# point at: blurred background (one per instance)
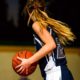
(15, 35)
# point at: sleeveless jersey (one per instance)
(57, 54)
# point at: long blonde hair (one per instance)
(60, 28)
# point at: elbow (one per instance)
(52, 45)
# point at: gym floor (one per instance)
(7, 73)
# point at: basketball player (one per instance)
(50, 35)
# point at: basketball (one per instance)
(15, 62)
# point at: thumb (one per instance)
(19, 58)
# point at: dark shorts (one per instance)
(66, 74)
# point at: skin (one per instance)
(46, 49)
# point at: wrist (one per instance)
(30, 61)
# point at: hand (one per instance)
(23, 66)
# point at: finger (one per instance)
(20, 69)
(26, 71)
(18, 66)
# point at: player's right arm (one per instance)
(49, 43)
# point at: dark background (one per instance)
(19, 34)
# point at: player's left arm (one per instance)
(49, 43)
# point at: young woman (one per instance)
(49, 37)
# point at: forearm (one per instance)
(47, 48)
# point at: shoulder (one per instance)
(36, 26)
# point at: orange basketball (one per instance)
(23, 54)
